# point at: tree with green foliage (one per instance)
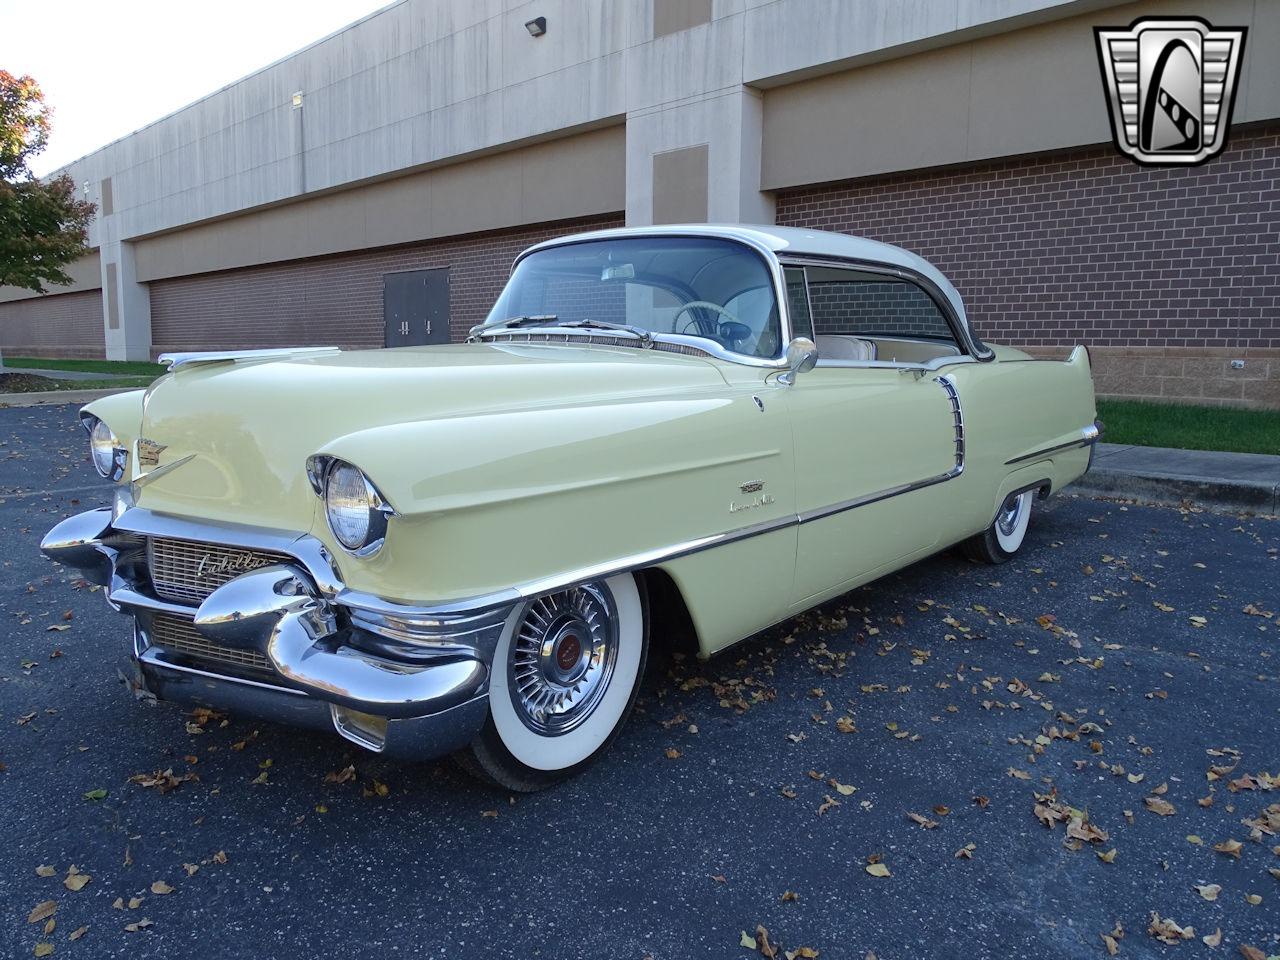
(42, 224)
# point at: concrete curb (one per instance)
(41, 397)
(1249, 496)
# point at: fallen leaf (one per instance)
(1209, 891)
(746, 940)
(1167, 931)
(75, 881)
(77, 933)
(43, 949)
(966, 852)
(42, 911)
(767, 949)
(878, 870)
(1213, 939)
(1110, 943)
(1253, 899)
(1108, 857)
(922, 821)
(1251, 953)
(1160, 806)
(672, 753)
(139, 925)
(45, 870)
(160, 888)
(98, 794)
(340, 776)
(1231, 848)
(789, 896)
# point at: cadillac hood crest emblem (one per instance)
(1171, 85)
(149, 452)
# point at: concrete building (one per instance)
(374, 187)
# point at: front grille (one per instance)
(187, 571)
(179, 635)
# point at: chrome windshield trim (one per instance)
(771, 261)
(1088, 436)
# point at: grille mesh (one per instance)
(179, 635)
(186, 571)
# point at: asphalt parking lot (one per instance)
(1126, 669)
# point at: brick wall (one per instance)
(1168, 274)
(338, 299)
(867, 307)
(56, 325)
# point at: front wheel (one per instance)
(1000, 541)
(565, 675)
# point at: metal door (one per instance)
(415, 307)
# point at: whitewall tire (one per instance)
(1000, 541)
(565, 675)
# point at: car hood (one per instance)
(247, 428)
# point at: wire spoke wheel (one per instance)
(562, 658)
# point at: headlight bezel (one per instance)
(320, 473)
(108, 456)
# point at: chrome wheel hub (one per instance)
(562, 658)
(1007, 520)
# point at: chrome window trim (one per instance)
(959, 328)
(772, 263)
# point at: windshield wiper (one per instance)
(587, 323)
(533, 320)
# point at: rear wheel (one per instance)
(565, 675)
(1000, 541)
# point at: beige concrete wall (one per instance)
(578, 176)
(1031, 90)
(85, 273)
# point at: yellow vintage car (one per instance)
(470, 548)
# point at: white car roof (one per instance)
(783, 241)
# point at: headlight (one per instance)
(356, 512)
(104, 449)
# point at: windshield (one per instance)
(697, 286)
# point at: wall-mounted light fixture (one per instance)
(297, 99)
(537, 26)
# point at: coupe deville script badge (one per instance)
(751, 486)
(1170, 84)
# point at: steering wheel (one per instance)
(708, 305)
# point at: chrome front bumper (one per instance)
(396, 679)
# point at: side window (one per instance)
(871, 305)
(798, 303)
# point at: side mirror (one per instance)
(802, 354)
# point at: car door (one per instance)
(875, 441)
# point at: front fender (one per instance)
(494, 500)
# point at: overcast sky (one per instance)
(108, 67)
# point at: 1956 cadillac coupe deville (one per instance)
(466, 547)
